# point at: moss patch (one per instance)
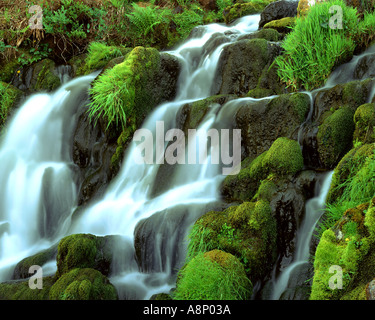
(214, 275)
(9, 96)
(83, 284)
(364, 119)
(335, 136)
(239, 10)
(284, 25)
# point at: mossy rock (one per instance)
(44, 77)
(267, 34)
(239, 10)
(364, 119)
(83, 284)
(350, 246)
(85, 251)
(284, 25)
(20, 290)
(247, 231)
(335, 136)
(21, 270)
(9, 97)
(8, 69)
(284, 157)
(213, 275)
(346, 170)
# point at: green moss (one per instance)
(21, 270)
(283, 25)
(364, 119)
(346, 169)
(9, 96)
(259, 93)
(8, 69)
(247, 231)
(301, 105)
(98, 56)
(239, 10)
(284, 157)
(214, 275)
(123, 92)
(83, 284)
(266, 190)
(46, 79)
(267, 34)
(20, 290)
(335, 136)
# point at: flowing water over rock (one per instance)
(152, 214)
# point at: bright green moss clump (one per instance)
(9, 96)
(120, 93)
(83, 284)
(214, 275)
(284, 157)
(364, 119)
(335, 136)
(247, 231)
(239, 10)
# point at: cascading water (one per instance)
(44, 182)
(313, 211)
(37, 188)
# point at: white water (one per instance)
(37, 191)
(37, 180)
(313, 211)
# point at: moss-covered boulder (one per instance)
(241, 64)
(278, 10)
(21, 270)
(364, 120)
(44, 76)
(239, 10)
(83, 284)
(267, 34)
(348, 167)
(247, 231)
(284, 25)
(349, 248)
(85, 251)
(284, 157)
(262, 122)
(335, 136)
(20, 290)
(213, 275)
(9, 97)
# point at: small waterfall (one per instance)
(37, 190)
(313, 211)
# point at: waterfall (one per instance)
(313, 211)
(38, 187)
(37, 190)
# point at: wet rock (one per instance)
(365, 67)
(278, 10)
(209, 5)
(241, 64)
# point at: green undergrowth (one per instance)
(313, 48)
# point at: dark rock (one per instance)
(208, 5)
(278, 10)
(370, 290)
(241, 64)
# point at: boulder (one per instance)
(241, 64)
(278, 10)
(239, 9)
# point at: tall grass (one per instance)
(313, 49)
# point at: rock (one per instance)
(89, 251)
(364, 120)
(335, 136)
(283, 25)
(10, 98)
(98, 149)
(248, 231)
(21, 270)
(370, 290)
(239, 10)
(83, 284)
(40, 76)
(262, 122)
(278, 10)
(267, 34)
(213, 275)
(208, 5)
(236, 72)
(365, 67)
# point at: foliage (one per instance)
(313, 49)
